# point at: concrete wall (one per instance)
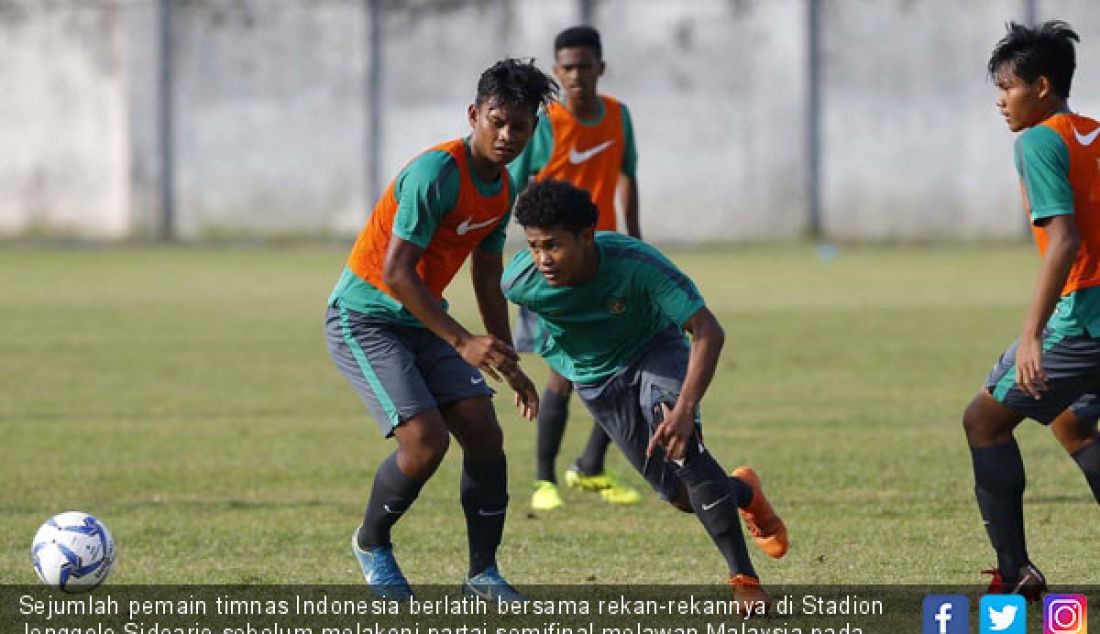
(65, 155)
(270, 127)
(913, 144)
(719, 116)
(689, 73)
(271, 110)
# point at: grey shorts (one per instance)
(1072, 365)
(1087, 409)
(398, 371)
(530, 334)
(626, 405)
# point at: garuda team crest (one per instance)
(616, 306)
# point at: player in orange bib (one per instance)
(1055, 363)
(587, 140)
(419, 371)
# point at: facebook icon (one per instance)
(946, 614)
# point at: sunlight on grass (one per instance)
(185, 397)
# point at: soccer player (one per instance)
(616, 311)
(1056, 359)
(585, 139)
(417, 369)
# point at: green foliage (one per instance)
(186, 398)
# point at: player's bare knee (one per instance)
(559, 385)
(684, 506)
(988, 422)
(1073, 433)
(975, 423)
(485, 446)
(422, 448)
(681, 501)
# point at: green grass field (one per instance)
(185, 397)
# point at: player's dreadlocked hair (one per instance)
(1045, 50)
(576, 36)
(516, 83)
(548, 204)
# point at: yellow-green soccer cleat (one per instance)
(611, 490)
(546, 496)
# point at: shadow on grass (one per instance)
(224, 505)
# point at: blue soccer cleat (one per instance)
(381, 571)
(489, 585)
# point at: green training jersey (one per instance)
(596, 328)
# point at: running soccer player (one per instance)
(586, 139)
(1056, 360)
(616, 311)
(419, 371)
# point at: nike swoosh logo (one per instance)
(484, 513)
(484, 595)
(576, 157)
(1087, 139)
(707, 507)
(467, 226)
(476, 380)
(391, 511)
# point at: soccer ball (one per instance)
(73, 551)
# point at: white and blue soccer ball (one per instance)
(73, 551)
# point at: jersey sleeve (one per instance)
(533, 157)
(673, 291)
(425, 190)
(1042, 161)
(630, 152)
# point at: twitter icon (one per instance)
(1002, 614)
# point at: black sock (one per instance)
(999, 484)
(392, 494)
(484, 494)
(1089, 461)
(742, 492)
(714, 501)
(553, 412)
(591, 461)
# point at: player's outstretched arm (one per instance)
(486, 269)
(486, 353)
(1062, 244)
(678, 425)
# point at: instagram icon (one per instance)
(1065, 614)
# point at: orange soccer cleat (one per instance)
(751, 599)
(764, 524)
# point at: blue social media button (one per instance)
(946, 614)
(1002, 614)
